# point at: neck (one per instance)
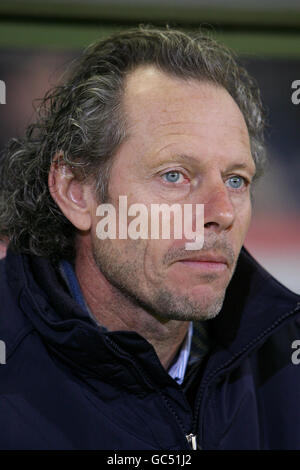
(116, 312)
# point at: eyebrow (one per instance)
(243, 166)
(178, 156)
(234, 166)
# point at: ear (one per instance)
(73, 197)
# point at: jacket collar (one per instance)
(255, 305)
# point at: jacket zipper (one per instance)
(192, 440)
(219, 370)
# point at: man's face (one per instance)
(187, 144)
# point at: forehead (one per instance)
(162, 110)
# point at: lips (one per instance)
(206, 258)
(205, 263)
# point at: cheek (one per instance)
(243, 222)
(153, 260)
(248, 215)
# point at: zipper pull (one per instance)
(192, 440)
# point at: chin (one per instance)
(200, 303)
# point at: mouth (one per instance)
(206, 262)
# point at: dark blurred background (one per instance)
(39, 38)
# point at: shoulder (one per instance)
(14, 325)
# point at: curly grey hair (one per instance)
(82, 119)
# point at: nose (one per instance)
(219, 212)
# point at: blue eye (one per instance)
(172, 176)
(236, 182)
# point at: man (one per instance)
(119, 342)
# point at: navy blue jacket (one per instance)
(67, 385)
